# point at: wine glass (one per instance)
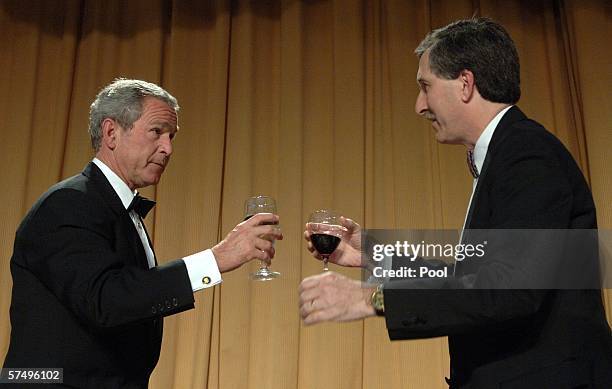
(255, 205)
(326, 232)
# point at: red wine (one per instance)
(324, 243)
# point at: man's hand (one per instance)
(333, 297)
(348, 252)
(250, 239)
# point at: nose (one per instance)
(165, 144)
(420, 106)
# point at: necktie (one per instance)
(141, 205)
(471, 164)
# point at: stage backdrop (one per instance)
(307, 101)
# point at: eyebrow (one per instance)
(163, 124)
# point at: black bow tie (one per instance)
(141, 205)
(471, 165)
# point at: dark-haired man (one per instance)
(88, 294)
(524, 178)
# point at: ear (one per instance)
(466, 77)
(110, 131)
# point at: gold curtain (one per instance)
(310, 102)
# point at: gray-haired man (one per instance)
(88, 294)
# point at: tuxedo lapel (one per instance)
(513, 115)
(104, 188)
(125, 231)
(150, 243)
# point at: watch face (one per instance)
(378, 302)
(378, 299)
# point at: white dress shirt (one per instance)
(480, 152)
(201, 267)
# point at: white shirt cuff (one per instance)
(202, 270)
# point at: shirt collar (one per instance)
(123, 191)
(482, 144)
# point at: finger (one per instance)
(312, 318)
(318, 316)
(262, 219)
(271, 253)
(327, 313)
(307, 235)
(313, 251)
(310, 306)
(309, 282)
(260, 254)
(263, 244)
(268, 232)
(306, 309)
(313, 228)
(349, 224)
(311, 248)
(268, 249)
(306, 312)
(320, 281)
(309, 295)
(329, 278)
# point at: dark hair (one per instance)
(481, 46)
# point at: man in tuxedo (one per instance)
(88, 294)
(524, 178)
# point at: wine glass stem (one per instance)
(263, 266)
(325, 267)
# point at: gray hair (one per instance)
(121, 101)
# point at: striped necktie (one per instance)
(471, 164)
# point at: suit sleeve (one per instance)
(70, 249)
(529, 189)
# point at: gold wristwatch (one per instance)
(377, 300)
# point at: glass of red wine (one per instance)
(253, 206)
(326, 232)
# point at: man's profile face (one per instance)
(142, 153)
(439, 102)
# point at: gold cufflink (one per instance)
(206, 280)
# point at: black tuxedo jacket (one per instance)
(516, 338)
(84, 298)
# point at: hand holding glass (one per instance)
(253, 206)
(326, 232)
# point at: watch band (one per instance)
(378, 300)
